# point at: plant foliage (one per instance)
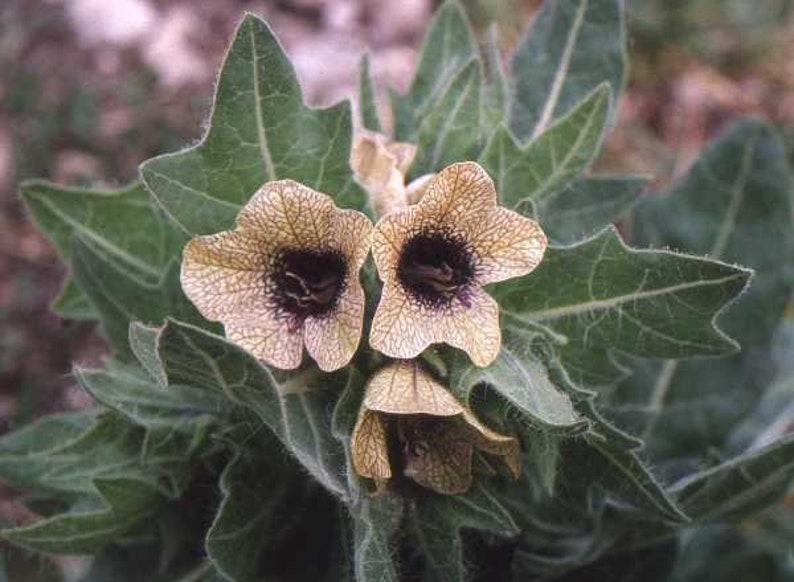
(648, 379)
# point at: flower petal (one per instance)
(508, 245)
(380, 167)
(403, 387)
(268, 337)
(390, 234)
(457, 199)
(332, 340)
(369, 448)
(292, 214)
(443, 464)
(352, 234)
(223, 274)
(493, 443)
(403, 328)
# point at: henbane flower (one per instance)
(434, 257)
(432, 435)
(286, 276)
(380, 166)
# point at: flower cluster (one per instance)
(287, 277)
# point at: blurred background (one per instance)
(91, 88)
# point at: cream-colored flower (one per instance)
(380, 166)
(432, 435)
(285, 277)
(434, 257)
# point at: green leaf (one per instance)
(772, 416)
(739, 487)
(126, 503)
(49, 432)
(611, 457)
(437, 520)
(735, 205)
(448, 48)
(587, 205)
(262, 501)
(260, 130)
(143, 343)
(601, 293)
(376, 522)
(376, 519)
(522, 380)
(495, 90)
(528, 176)
(572, 47)
(297, 410)
(107, 448)
(134, 394)
(450, 130)
(366, 97)
(723, 553)
(72, 303)
(121, 294)
(125, 224)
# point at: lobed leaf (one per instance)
(735, 205)
(436, 522)
(260, 130)
(132, 393)
(367, 104)
(740, 487)
(449, 131)
(126, 503)
(121, 293)
(126, 225)
(448, 48)
(376, 522)
(297, 410)
(587, 205)
(572, 47)
(263, 499)
(527, 176)
(600, 294)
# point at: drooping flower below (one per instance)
(285, 277)
(434, 257)
(380, 166)
(432, 436)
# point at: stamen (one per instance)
(307, 283)
(435, 268)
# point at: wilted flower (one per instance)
(380, 166)
(435, 257)
(432, 435)
(288, 275)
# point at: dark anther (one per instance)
(435, 268)
(308, 283)
(415, 434)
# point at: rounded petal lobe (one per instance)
(332, 340)
(390, 234)
(403, 328)
(458, 198)
(508, 245)
(403, 387)
(268, 338)
(222, 274)
(369, 448)
(292, 214)
(352, 233)
(399, 325)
